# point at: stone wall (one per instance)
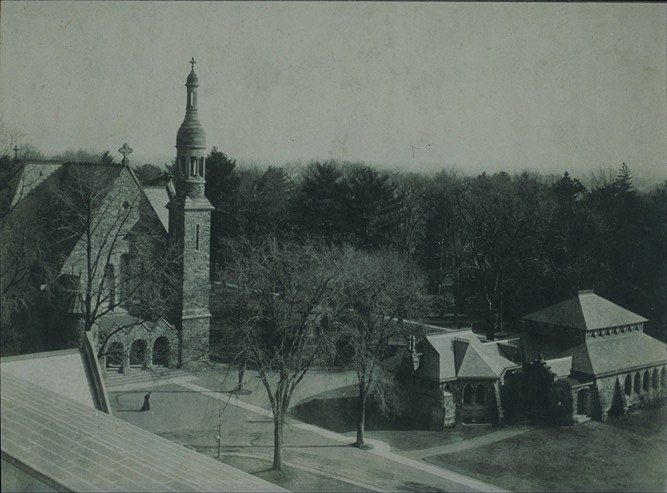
(441, 405)
(190, 235)
(118, 214)
(632, 390)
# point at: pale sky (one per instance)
(545, 87)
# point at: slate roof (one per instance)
(560, 366)
(76, 448)
(586, 311)
(618, 353)
(159, 198)
(461, 354)
(32, 175)
(37, 205)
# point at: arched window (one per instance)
(663, 378)
(646, 381)
(638, 383)
(201, 166)
(467, 394)
(480, 394)
(193, 166)
(139, 353)
(655, 379)
(124, 278)
(161, 352)
(628, 385)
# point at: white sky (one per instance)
(546, 87)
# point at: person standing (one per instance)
(147, 402)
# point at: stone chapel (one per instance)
(176, 218)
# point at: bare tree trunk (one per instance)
(278, 442)
(361, 418)
(242, 368)
(456, 299)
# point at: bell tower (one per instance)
(189, 234)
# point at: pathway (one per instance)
(493, 437)
(380, 449)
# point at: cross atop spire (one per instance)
(192, 62)
(125, 151)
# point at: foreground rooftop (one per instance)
(73, 447)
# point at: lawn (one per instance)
(621, 455)
(336, 410)
(289, 478)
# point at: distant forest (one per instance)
(494, 247)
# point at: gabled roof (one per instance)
(461, 354)
(57, 225)
(481, 362)
(33, 173)
(159, 198)
(560, 366)
(586, 311)
(618, 353)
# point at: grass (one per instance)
(621, 455)
(289, 478)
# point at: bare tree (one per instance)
(378, 291)
(100, 224)
(288, 288)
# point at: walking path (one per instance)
(380, 449)
(138, 379)
(493, 437)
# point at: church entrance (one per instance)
(161, 352)
(139, 354)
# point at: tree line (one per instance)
(324, 264)
(494, 246)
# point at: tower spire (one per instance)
(191, 144)
(189, 233)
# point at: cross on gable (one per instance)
(125, 150)
(192, 62)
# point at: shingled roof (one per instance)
(461, 354)
(586, 311)
(618, 354)
(40, 198)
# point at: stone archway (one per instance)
(139, 354)
(655, 380)
(115, 356)
(161, 352)
(467, 394)
(480, 395)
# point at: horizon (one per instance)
(546, 88)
